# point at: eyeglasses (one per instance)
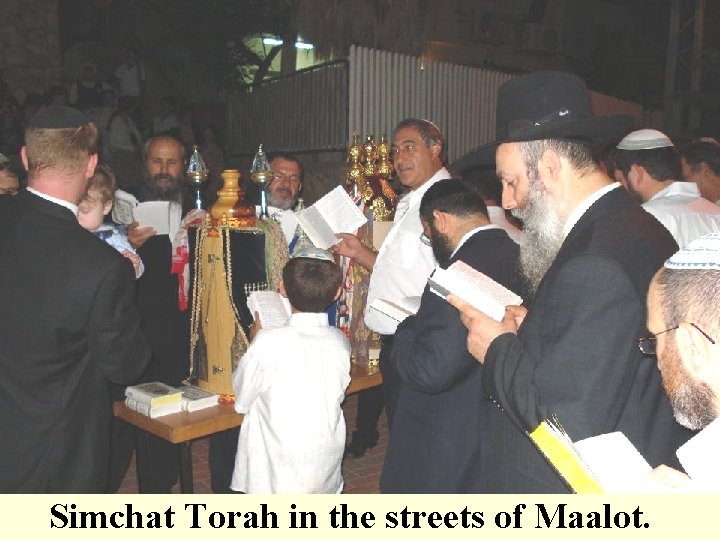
(292, 178)
(648, 344)
(425, 239)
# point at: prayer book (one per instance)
(155, 214)
(333, 213)
(272, 308)
(153, 411)
(699, 457)
(475, 288)
(398, 311)
(154, 394)
(607, 463)
(194, 398)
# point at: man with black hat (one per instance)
(590, 253)
(68, 324)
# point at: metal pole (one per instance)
(669, 113)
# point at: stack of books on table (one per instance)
(154, 399)
(194, 398)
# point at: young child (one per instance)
(95, 205)
(290, 384)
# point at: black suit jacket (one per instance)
(576, 353)
(435, 442)
(68, 325)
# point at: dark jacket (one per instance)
(576, 353)
(436, 441)
(68, 325)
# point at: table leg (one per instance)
(186, 467)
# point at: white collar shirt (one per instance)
(403, 263)
(683, 212)
(70, 206)
(286, 218)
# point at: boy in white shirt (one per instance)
(290, 384)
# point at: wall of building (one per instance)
(30, 58)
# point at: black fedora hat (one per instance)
(546, 105)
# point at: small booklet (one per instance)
(333, 213)
(155, 214)
(473, 287)
(194, 398)
(398, 311)
(154, 393)
(272, 308)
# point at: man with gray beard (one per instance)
(590, 253)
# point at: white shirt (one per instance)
(286, 218)
(683, 212)
(70, 206)
(290, 384)
(129, 79)
(497, 217)
(403, 263)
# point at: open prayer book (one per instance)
(398, 311)
(272, 308)
(475, 288)
(333, 213)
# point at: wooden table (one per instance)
(184, 427)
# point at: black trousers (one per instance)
(372, 401)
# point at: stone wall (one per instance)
(30, 57)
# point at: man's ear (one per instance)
(107, 207)
(694, 349)
(441, 221)
(550, 165)
(281, 288)
(91, 164)
(339, 292)
(436, 150)
(23, 157)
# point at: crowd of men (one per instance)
(461, 390)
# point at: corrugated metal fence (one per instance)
(318, 109)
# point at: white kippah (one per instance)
(700, 254)
(645, 139)
(313, 253)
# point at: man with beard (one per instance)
(165, 324)
(435, 444)
(684, 327)
(401, 267)
(284, 190)
(590, 253)
(648, 164)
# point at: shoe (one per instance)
(360, 443)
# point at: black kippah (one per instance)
(58, 117)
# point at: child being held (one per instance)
(95, 205)
(290, 384)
